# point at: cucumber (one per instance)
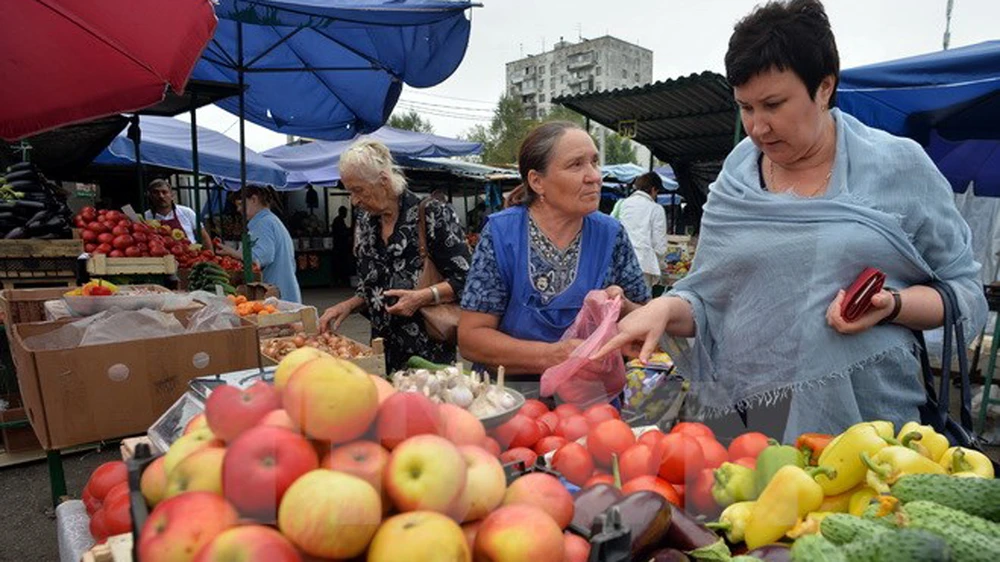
(417, 362)
(902, 545)
(970, 538)
(814, 548)
(976, 496)
(841, 528)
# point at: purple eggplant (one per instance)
(686, 533)
(668, 555)
(772, 553)
(647, 515)
(591, 502)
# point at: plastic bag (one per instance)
(578, 380)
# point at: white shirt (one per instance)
(185, 215)
(646, 224)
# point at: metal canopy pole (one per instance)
(135, 134)
(194, 164)
(247, 253)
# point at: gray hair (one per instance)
(370, 158)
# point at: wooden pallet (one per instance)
(100, 264)
(42, 260)
(41, 248)
(116, 549)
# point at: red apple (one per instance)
(230, 411)
(278, 418)
(470, 530)
(577, 548)
(331, 399)
(365, 459)
(249, 543)
(574, 462)
(425, 472)
(491, 445)
(420, 535)
(260, 465)
(520, 532)
(404, 415)
(179, 527)
(153, 483)
(544, 492)
(519, 454)
(460, 427)
(485, 485)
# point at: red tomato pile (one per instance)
(112, 233)
(679, 465)
(106, 497)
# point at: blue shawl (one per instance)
(768, 265)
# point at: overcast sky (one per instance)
(686, 36)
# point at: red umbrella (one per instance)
(66, 61)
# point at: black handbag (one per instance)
(934, 411)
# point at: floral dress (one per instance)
(398, 265)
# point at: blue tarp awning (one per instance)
(317, 162)
(955, 93)
(166, 142)
(332, 69)
(624, 173)
(971, 161)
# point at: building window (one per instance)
(624, 74)
(636, 76)
(525, 71)
(541, 82)
(541, 70)
(598, 71)
(552, 68)
(541, 98)
(562, 79)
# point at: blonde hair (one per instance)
(370, 158)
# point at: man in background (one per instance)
(167, 212)
(645, 221)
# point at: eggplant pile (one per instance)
(31, 206)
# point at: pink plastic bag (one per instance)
(578, 380)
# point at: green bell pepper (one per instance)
(773, 458)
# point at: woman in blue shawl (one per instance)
(801, 207)
(537, 260)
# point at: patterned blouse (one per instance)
(397, 265)
(551, 270)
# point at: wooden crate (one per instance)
(307, 316)
(18, 436)
(100, 264)
(373, 364)
(116, 549)
(39, 259)
(28, 305)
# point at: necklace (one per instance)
(791, 188)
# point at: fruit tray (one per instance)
(129, 297)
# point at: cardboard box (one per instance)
(87, 394)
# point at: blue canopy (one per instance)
(624, 173)
(166, 142)
(976, 161)
(317, 162)
(331, 69)
(955, 93)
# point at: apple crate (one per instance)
(286, 324)
(373, 364)
(101, 265)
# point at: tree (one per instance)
(502, 138)
(561, 113)
(618, 149)
(410, 121)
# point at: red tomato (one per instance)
(610, 437)
(103, 249)
(748, 462)
(532, 408)
(89, 248)
(116, 254)
(680, 455)
(122, 241)
(551, 419)
(140, 237)
(574, 462)
(680, 492)
(747, 445)
(176, 250)
(699, 495)
(119, 230)
(143, 247)
(117, 517)
(519, 454)
(97, 528)
(543, 430)
(118, 490)
(636, 461)
(519, 431)
(157, 250)
(653, 484)
(125, 223)
(599, 478)
(651, 437)
(105, 477)
(105, 238)
(97, 227)
(113, 216)
(601, 412)
(88, 214)
(140, 228)
(550, 443)
(132, 252)
(694, 429)
(88, 236)
(109, 225)
(715, 453)
(567, 410)
(573, 427)
(90, 503)
(491, 445)
(79, 222)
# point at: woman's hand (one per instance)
(640, 331)
(335, 314)
(882, 303)
(561, 350)
(627, 305)
(409, 301)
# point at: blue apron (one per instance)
(526, 316)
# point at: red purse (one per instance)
(858, 298)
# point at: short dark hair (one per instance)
(785, 35)
(648, 182)
(536, 153)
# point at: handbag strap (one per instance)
(953, 339)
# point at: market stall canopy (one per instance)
(317, 162)
(69, 61)
(955, 93)
(333, 69)
(166, 142)
(976, 161)
(624, 173)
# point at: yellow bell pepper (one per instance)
(958, 460)
(842, 456)
(884, 428)
(894, 462)
(733, 521)
(931, 444)
(860, 500)
(808, 525)
(839, 503)
(790, 495)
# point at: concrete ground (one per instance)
(28, 528)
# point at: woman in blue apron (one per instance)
(537, 260)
